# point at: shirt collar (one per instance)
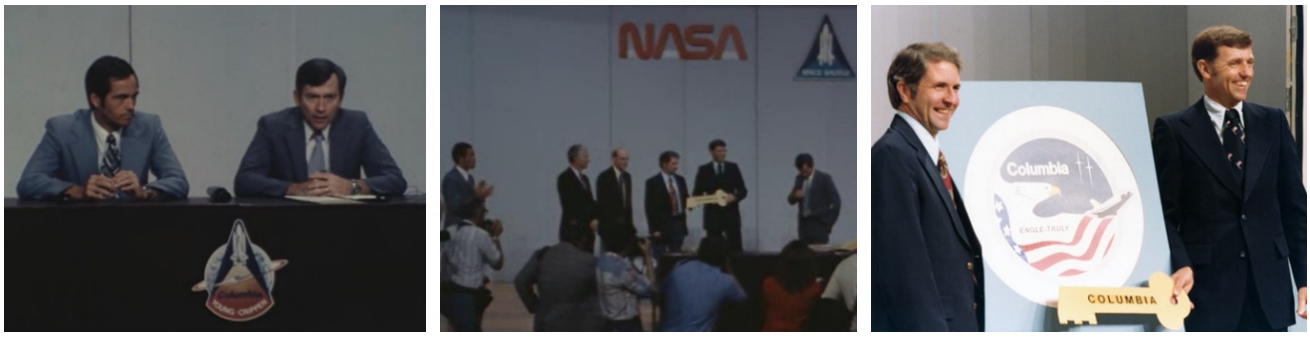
(309, 133)
(462, 172)
(102, 134)
(929, 142)
(1217, 111)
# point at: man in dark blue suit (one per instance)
(458, 185)
(1234, 203)
(819, 202)
(666, 211)
(927, 264)
(316, 148)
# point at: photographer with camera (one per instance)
(621, 284)
(474, 245)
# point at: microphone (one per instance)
(218, 195)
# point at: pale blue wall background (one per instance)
(523, 83)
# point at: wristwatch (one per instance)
(354, 187)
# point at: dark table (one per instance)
(750, 270)
(116, 266)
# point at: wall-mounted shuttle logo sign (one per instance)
(239, 278)
(1054, 203)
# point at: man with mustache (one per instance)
(316, 148)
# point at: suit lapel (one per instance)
(1201, 138)
(339, 138)
(84, 148)
(133, 150)
(929, 167)
(1257, 145)
(295, 140)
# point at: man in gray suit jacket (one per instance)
(819, 202)
(104, 153)
(457, 186)
(316, 148)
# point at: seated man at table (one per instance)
(695, 289)
(564, 274)
(104, 153)
(317, 148)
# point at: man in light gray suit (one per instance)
(457, 186)
(316, 148)
(819, 202)
(106, 152)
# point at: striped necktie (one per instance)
(946, 177)
(1234, 142)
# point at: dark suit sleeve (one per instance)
(253, 177)
(454, 197)
(171, 182)
(607, 193)
(384, 177)
(526, 279)
(902, 272)
(39, 179)
(653, 194)
(834, 201)
(702, 183)
(739, 182)
(1167, 161)
(561, 189)
(1291, 197)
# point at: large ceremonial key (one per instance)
(718, 197)
(1081, 304)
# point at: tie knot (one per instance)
(318, 136)
(1231, 116)
(111, 139)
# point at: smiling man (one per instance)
(1234, 204)
(317, 148)
(927, 265)
(105, 152)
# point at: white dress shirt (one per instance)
(1217, 110)
(102, 142)
(929, 142)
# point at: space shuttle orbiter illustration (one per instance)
(825, 56)
(825, 61)
(239, 278)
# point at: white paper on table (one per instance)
(324, 199)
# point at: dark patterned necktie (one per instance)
(110, 163)
(946, 177)
(1234, 142)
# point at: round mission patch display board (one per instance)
(1053, 202)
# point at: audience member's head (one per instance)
(796, 268)
(580, 235)
(475, 210)
(713, 251)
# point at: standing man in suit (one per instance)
(927, 264)
(457, 186)
(719, 174)
(820, 204)
(575, 195)
(104, 153)
(614, 198)
(317, 148)
(1234, 204)
(666, 213)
